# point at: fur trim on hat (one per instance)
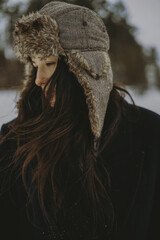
(32, 27)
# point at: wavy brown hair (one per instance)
(52, 142)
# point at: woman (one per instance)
(78, 162)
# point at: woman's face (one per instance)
(45, 69)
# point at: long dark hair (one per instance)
(55, 141)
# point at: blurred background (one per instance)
(133, 27)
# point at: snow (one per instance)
(8, 99)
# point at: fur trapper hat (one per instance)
(78, 34)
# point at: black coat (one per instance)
(133, 160)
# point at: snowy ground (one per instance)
(8, 98)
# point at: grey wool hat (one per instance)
(78, 34)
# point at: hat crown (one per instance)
(87, 28)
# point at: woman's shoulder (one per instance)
(149, 115)
(7, 145)
(137, 135)
(138, 128)
(5, 128)
(140, 117)
(148, 121)
(141, 129)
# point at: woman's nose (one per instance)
(40, 79)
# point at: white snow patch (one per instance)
(8, 99)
